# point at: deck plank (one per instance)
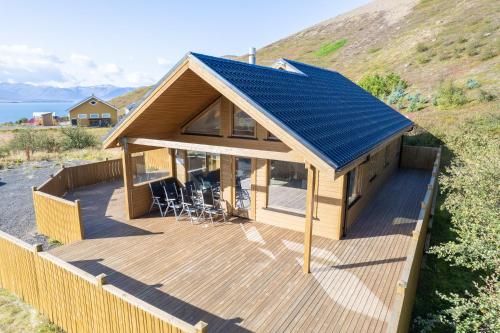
(245, 276)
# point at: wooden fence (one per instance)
(406, 288)
(59, 218)
(75, 300)
(417, 157)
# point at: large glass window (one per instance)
(287, 186)
(243, 124)
(243, 184)
(207, 122)
(203, 169)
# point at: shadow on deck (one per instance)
(248, 276)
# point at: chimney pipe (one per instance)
(251, 56)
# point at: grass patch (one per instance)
(329, 48)
(54, 242)
(18, 317)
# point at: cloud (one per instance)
(163, 61)
(21, 63)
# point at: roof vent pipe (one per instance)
(251, 56)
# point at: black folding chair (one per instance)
(157, 197)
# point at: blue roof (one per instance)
(323, 109)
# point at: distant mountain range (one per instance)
(21, 92)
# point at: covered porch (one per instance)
(247, 276)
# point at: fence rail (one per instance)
(59, 218)
(76, 300)
(406, 288)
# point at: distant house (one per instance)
(94, 112)
(43, 118)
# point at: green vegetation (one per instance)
(465, 236)
(329, 48)
(450, 95)
(61, 144)
(382, 86)
(129, 98)
(18, 317)
(77, 138)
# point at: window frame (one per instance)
(233, 112)
(106, 115)
(199, 115)
(272, 137)
(284, 210)
(355, 187)
(91, 116)
(82, 116)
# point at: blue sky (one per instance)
(132, 43)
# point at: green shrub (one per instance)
(462, 39)
(415, 102)
(329, 48)
(24, 140)
(77, 138)
(22, 121)
(473, 48)
(449, 95)
(485, 96)
(472, 84)
(47, 142)
(422, 47)
(4, 151)
(382, 86)
(423, 59)
(488, 54)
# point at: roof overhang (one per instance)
(88, 99)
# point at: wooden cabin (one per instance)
(292, 145)
(94, 112)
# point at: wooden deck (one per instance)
(246, 276)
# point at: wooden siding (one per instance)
(247, 276)
(416, 157)
(75, 300)
(371, 176)
(88, 109)
(407, 285)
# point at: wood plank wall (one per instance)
(416, 157)
(367, 185)
(399, 321)
(75, 300)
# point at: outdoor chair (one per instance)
(157, 197)
(210, 206)
(172, 202)
(189, 207)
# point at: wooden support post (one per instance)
(127, 178)
(311, 184)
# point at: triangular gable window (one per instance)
(206, 122)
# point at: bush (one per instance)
(77, 138)
(472, 84)
(4, 152)
(415, 102)
(47, 142)
(473, 48)
(488, 54)
(382, 86)
(422, 47)
(485, 96)
(449, 95)
(24, 140)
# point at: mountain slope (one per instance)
(21, 92)
(425, 42)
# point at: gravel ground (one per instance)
(16, 204)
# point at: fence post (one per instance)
(101, 279)
(80, 219)
(201, 327)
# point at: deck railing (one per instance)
(60, 218)
(76, 300)
(406, 288)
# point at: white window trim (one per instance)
(106, 115)
(82, 116)
(94, 116)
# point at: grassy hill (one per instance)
(425, 42)
(130, 97)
